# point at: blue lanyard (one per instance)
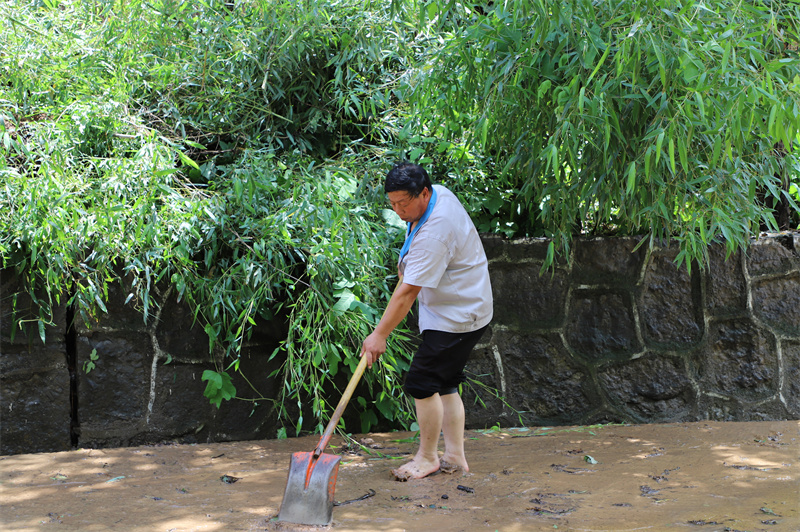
(411, 234)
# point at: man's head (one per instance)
(409, 189)
(407, 177)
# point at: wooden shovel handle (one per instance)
(348, 392)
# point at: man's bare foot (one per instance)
(415, 469)
(448, 467)
(450, 464)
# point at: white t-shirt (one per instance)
(447, 260)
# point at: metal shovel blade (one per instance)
(308, 499)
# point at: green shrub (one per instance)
(658, 117)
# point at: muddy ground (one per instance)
(688, 476)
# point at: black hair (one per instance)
(409, 177)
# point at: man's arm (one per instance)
(400, 303)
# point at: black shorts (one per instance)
(438, 364)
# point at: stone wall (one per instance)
(146, 386)
(617, 334)
(34, 379)
(611, 335)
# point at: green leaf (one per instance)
(631, 184)
(659, 143)
(700, 105)
(662, 67)
(543, 88)
(682, 153)
(493, 203)
(723, 65)
(214, 379)
(345, 302)
(368, 420)
(671, 149)
(771, 121)
(187, 160)
(219, 387)
(717, 150)
(415, 154)
(599, 63)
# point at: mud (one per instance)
(688, 476)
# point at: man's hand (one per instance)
(373, 347)
(399, 305)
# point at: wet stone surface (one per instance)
(741, 361)
(670, 310)
(651, 387)
(601, 325)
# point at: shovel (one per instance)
(308, 499)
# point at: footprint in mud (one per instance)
(544, 505)
(647, 491)
(571, 470)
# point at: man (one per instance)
(442, 263)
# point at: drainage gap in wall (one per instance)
(71, 338)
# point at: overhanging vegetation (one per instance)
(234, 151)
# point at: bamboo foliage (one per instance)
(231, 153)
(164, 147)
(656, 117)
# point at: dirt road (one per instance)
(690, 476)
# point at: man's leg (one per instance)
(429, 419)
(453, 429)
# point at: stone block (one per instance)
(34, 377)
(767, 256)
(524, 299)
(653, 388)
(123, 313)
(740, 361)
(15, 305)
(608, 261)
(766, 411)
(670, 306)
(604, 415)
(493, 245)
(179, 336)
(721, 409)
(776, 301)
(180, 411)
(542, 379)
(791, 377)
(725, 282)
(243, 420)
(482, 393)
(17, 359)
(713, 408)
(516, 250)
(601, 325)
(35, 412)
(116, 392)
